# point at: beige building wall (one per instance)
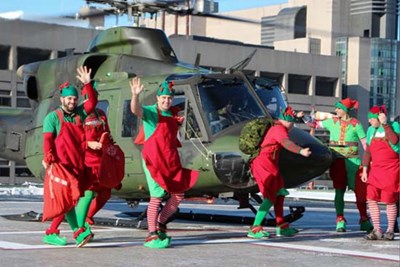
(324, 22)
(301, 45)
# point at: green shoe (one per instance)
(366, 225)
(87, 226)
(257, 232)
(154, 241)
(163, 236)
(288, 231)
(341, 225)
(55, 239)
(82, 236)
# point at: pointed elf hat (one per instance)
(347, 104)
(66, 89)
(375, 110)
(287, 114)
(166, 88)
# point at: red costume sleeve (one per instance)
(390, 134)
(281, 135)
(91, 102)
(290, 145)
(48, 143)
(367, 157)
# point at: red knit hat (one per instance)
(347, 104)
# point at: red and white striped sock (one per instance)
(375, 214)
(170, 207)
(152, 213)
(391, 212)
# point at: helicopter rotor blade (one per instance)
(223, 17)
(137, 8)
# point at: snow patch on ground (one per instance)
(26, 189)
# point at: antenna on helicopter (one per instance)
(242, 64)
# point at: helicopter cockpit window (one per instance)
(272, 99)
(227, 102)
(129, 121)
(190, 128)
(103, 105)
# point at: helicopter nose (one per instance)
(296, 169)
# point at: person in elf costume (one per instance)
(345, 133)
(64, 142)
(95, 126)
(265, 170)
(97, 133)
(381, 159)
(161, 163)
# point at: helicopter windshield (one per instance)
(226, 102)
(272, 99)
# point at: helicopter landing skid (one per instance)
(296, 212)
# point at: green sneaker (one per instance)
(366, 225)
(55, 239)
(288, 231)
(341, 226)
(154, 241)
(257, 232)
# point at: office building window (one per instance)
(383, 72)
(29, 55)
(4, 57)
(298, 84)
(325, 86)
(5, 97)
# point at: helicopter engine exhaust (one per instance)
(233, 170)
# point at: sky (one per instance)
(56, 8)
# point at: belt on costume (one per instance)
(342, 144)
(340, 154)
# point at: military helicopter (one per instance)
(215, 105)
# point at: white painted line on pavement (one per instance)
(108, 229)
(177, 241)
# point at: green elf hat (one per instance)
(66, 89)
(347, 104)
(375, 110)
(287, 114)
(166, 89)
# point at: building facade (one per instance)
(368, 29)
